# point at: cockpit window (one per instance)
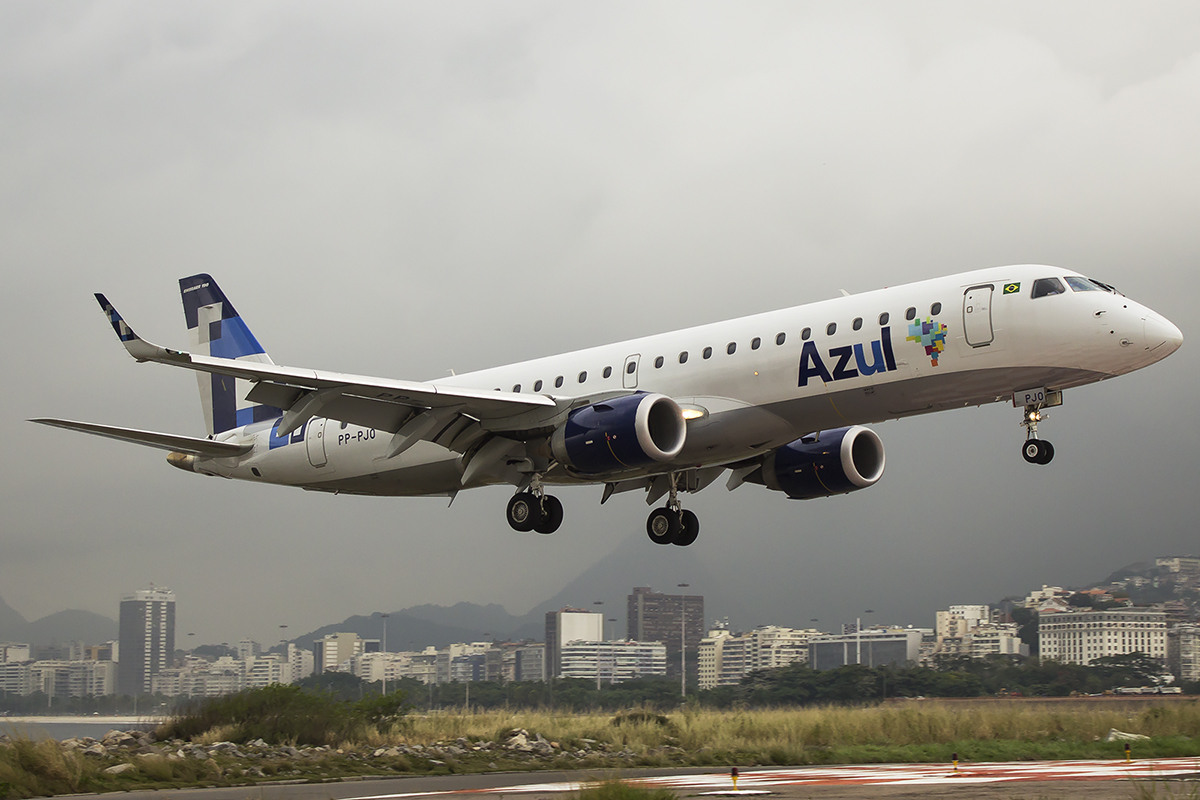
(1044, 287)
(1081, 284)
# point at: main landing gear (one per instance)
(673, 524)
(1035, 450)
(534, 510)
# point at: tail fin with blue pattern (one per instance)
(217, 330)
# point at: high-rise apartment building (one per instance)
(147, 639)
(676, 620)
(331, 652)
(1080, 637)
(569, 625)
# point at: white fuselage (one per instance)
(755, 383)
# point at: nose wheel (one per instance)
(673, 524)
(1035, 450)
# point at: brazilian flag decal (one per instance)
(1012, 288)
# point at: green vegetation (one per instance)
(285, 715)
(619, 790)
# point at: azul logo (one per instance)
(930, 335)
(849, 361)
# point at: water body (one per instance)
(72, 727)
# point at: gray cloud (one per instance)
(400, 189)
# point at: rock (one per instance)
(255, 772)
(1115, 735)
(95, 750)
(117, 769)
(437, 763)
(492, 765)
(290, 751)
(454, 750)
(199, 755)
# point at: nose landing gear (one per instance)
(672, 524)
(1035, 450)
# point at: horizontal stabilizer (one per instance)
(162, 441)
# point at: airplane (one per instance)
(779, 399)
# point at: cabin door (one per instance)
(977, 316)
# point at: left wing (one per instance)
(162, 441)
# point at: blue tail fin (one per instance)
(217, 330)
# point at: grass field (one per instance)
(913, 731)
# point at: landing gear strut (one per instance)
(672, 524)
(1035, 450)
(534, 510)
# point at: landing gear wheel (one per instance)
(1037, 451)
(689, 529)
(552, 515)
(662, 526)
(524, 512)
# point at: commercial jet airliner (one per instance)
(777, 399)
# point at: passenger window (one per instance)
(708, 352)
(883, 318)
(537, 386)
(345, 425)
(858, 323)
(780, 338)
(1044, 287)
(805, 334)
(517, 387)
(608, 372)
(731, 347)
(755, 343)
(658, 362)
(935, 309)
(1081, 284)
(558, 381)
(831, 329)
(910, 314)
(583, 376)
(630, 367)
(683, 357)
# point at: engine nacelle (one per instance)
(838, 461)
(623, 433)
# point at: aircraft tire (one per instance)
(689, 529)
(523, 512)
(662, 526)
(1033, 451)
(1047, 453)
(552, 515)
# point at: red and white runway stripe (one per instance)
(876, 775)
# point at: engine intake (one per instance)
(624, 433)
(836, 462)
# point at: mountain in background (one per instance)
(12, 624)
(58, 628)
(610, 581)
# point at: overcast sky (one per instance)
(402, 189)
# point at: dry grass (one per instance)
(916, 723)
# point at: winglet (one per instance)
(138, 347)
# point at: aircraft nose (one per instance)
(1162, 336)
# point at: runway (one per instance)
(1093, 780)
(893, 775)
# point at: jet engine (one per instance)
(623, 433)
(832, 462)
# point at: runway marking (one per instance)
(874, 775)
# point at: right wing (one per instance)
(162, 441)
(456, 417)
